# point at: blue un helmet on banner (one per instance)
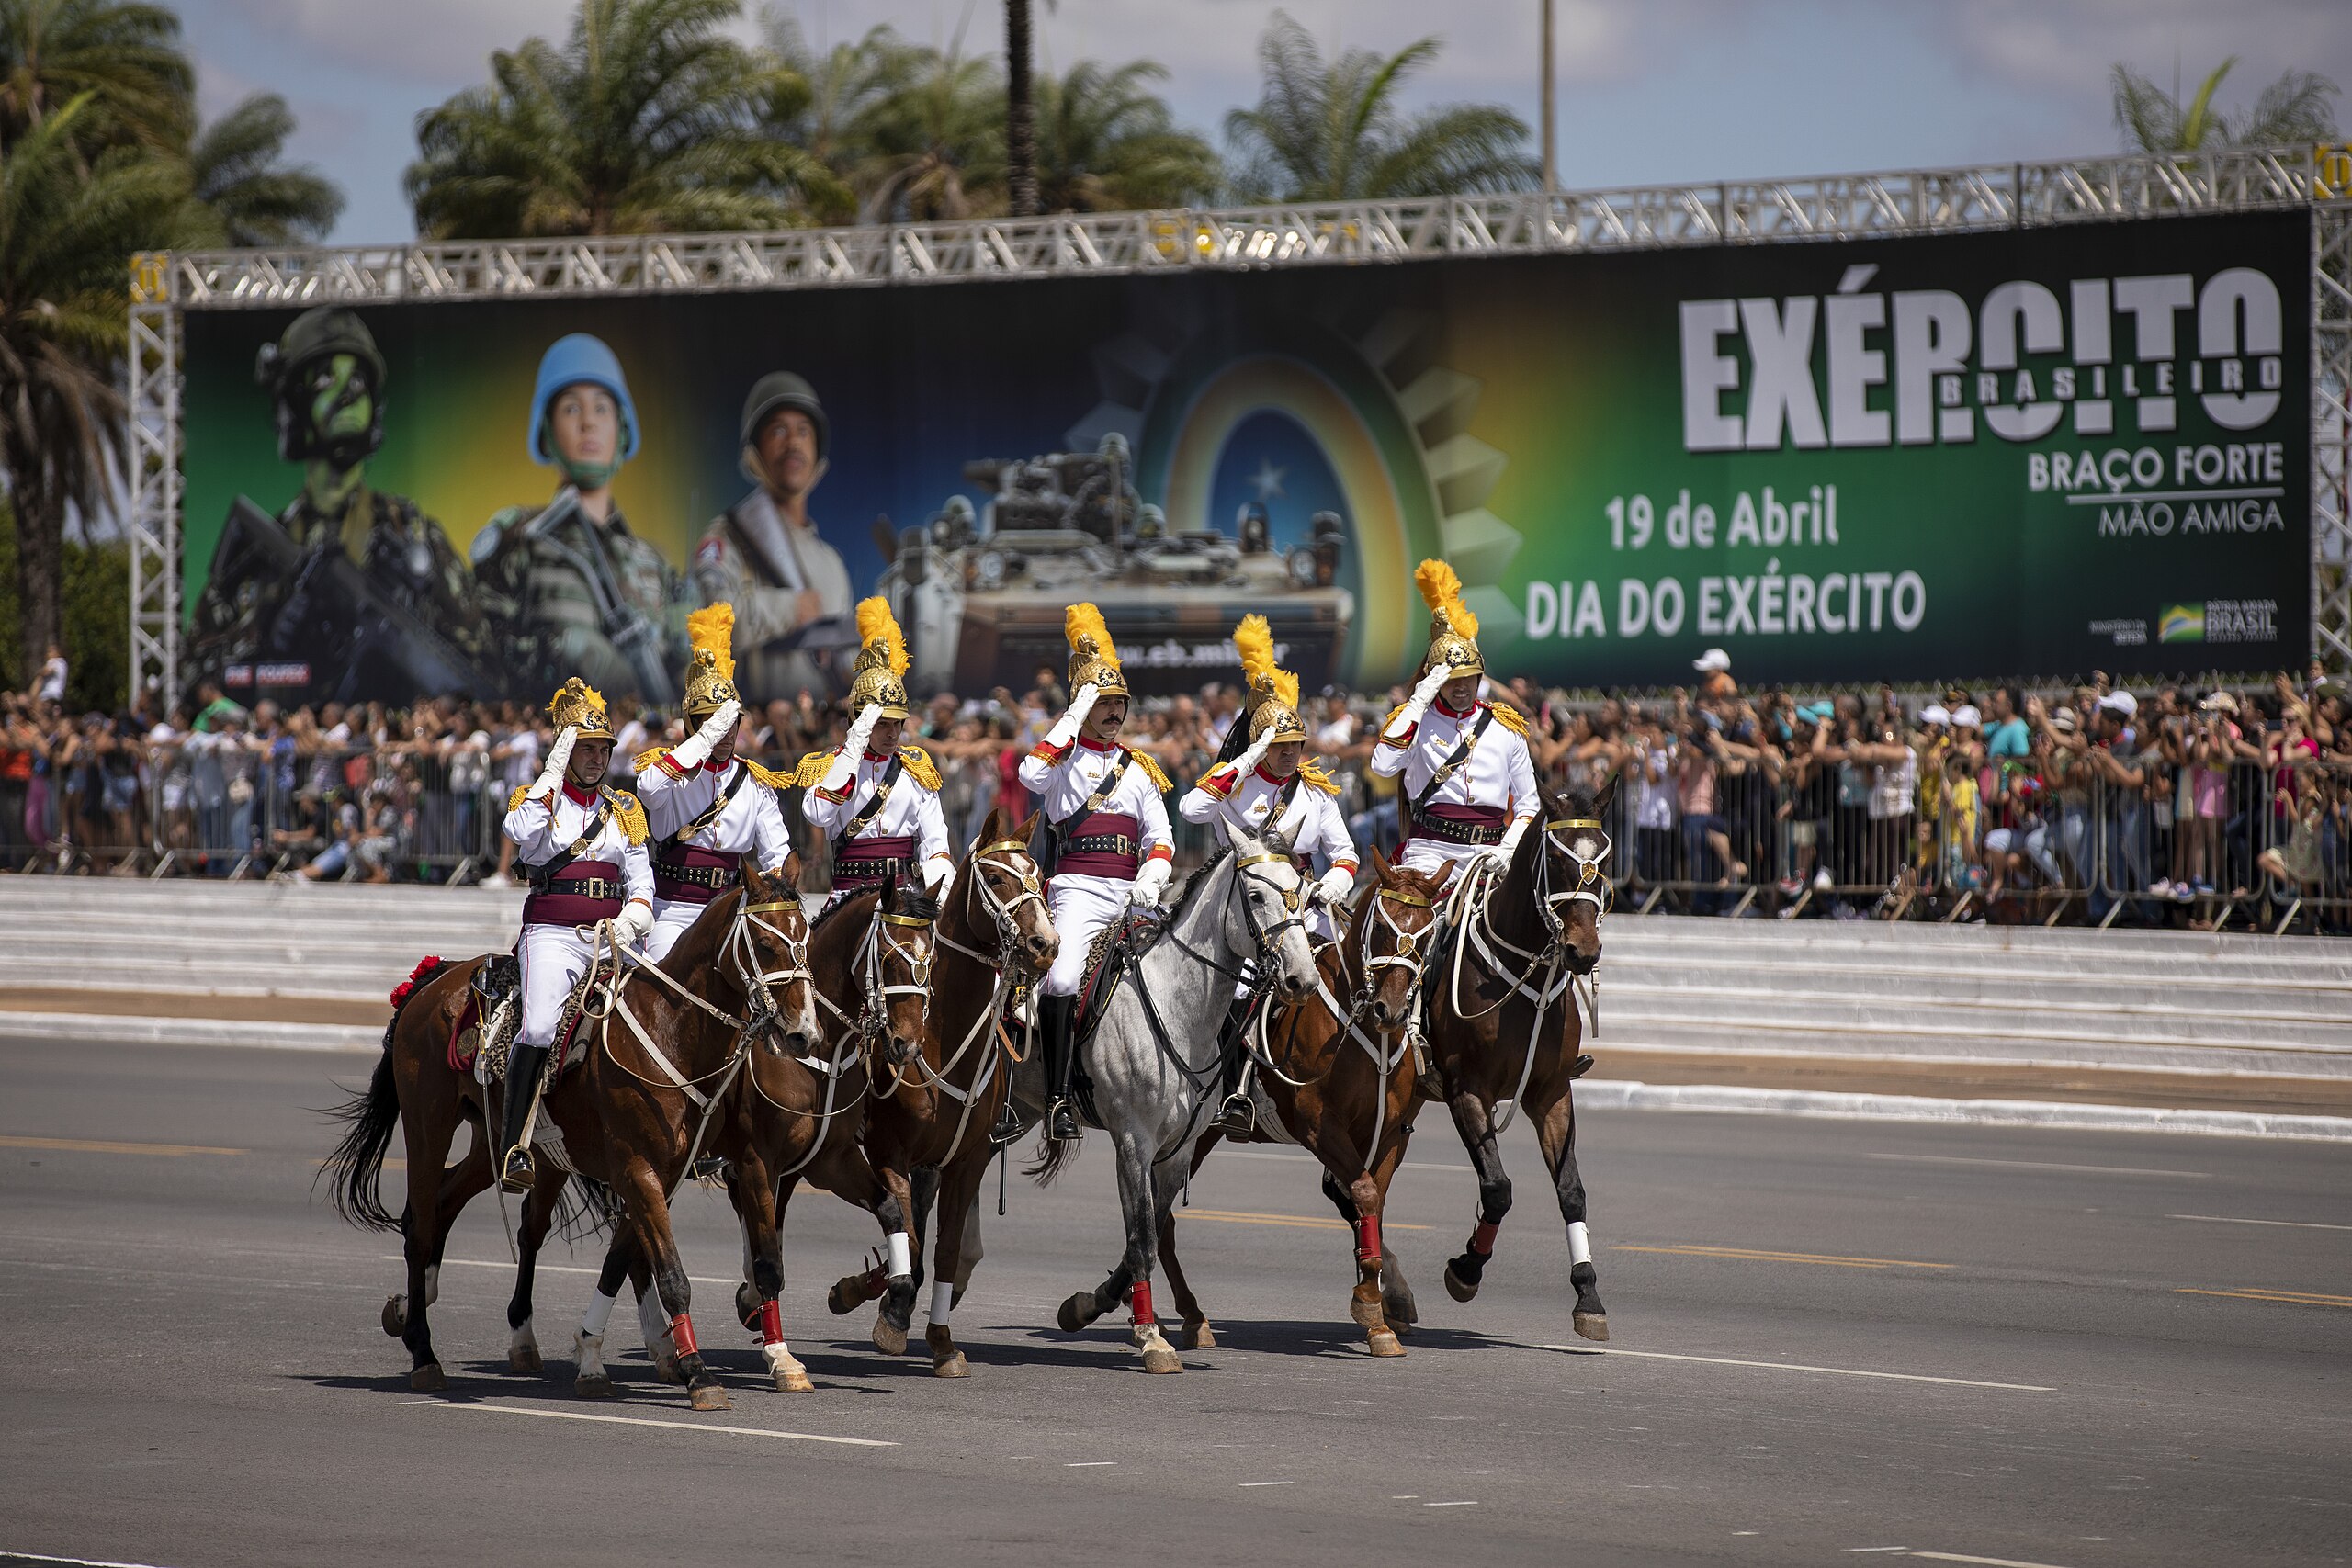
(579, 359)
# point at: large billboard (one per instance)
(2036, 452)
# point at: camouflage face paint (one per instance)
(343, 404)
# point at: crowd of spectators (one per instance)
(2172, 804)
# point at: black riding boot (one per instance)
(523, 1064)
(1057, 1014)
(1007, 1130)
(1237, 1117)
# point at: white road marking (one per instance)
(1987, 1562)
(678, 1426)
(1854, 1549)
(541, 1268)
(2234, 1220)
(1471, 1504)
(1087, 1463)
(76, 1562)
(1796, 1367)
(1270, 1484)
(2042, 1165)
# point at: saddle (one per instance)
(1115, 947)
(493, 1010)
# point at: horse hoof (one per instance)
(1461, 1290)
(710, 1396)
(1592, 1325)
(666, 1369)
(524, 1359)
(396, 1315)
(889, 1337)
(427, 1379)
(1383, 1343)
(1162, 1357)
(1196, 1335)
(747, 1307)
(954, 1366)
(1078, 1312)
(598, 1387)
(791, 1377)
(1367, 1315)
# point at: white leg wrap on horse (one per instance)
(776, 1355)
(655, 1327)
(1579, 1243)
(599, 1313)
(901, 1259)
(942, 1302)
(431, 1284)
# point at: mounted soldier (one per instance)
(879, 800)
(1469, 782)
(1261, 784)
(1105, 840)
(583, 846)
(708, 808)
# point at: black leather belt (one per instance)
(716, 877)
(1456, 833)
(1101, 844)
(869, 870)
(582, 887)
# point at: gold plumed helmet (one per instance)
(1273, 693)
(1094, 659)
(580, 707)
(881, 668)
(711, 676)
(1454, 630)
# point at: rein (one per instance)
(1008, 932)
(1265, 937)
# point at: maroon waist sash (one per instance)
(1108, 843)
(582, 894)
(868, 861)
(694, 874)
(1452, 823)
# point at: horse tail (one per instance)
(1057, 1154)
(370, 1117)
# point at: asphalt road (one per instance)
(1834, 1342)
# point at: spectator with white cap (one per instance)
(2115, 758)
(1716, 683)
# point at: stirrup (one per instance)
(1583, 1065)
(521, 1171)
(1237, 1117)
(1007, 1130)
(710, 1168)
(1061, 1122)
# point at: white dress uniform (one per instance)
(610, 869)
(688, 875)
(907, 835)
(1100, 854)
(1469, 813)
(1311, 819)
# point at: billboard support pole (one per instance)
(2332, 434)
(151, 454)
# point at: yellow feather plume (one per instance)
(1085, 620)
(1442, 591)
(714, 627)
(875, 620)
(1255, 638)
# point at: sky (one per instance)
(1651, 92)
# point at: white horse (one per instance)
(1154, 1056)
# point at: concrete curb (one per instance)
(132, 1028)
(1614, 1094)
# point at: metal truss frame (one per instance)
(2332, 434)
(1836, 207)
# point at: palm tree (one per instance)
(2293, 110)
(248, 197)
(124, 54)
(645, 122)
(934, 148)
(1020, 111)
(844, 89)
(1106, 142)
(66, 236)
(1332, 131)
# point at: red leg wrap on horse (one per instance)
(681, 1334)
(1482, 1240)
(771, 1323)
(1368, 1239)
(1139, 1302)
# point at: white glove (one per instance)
(845, 766)
(1252, 757)
(1419, 702)
(630, 925)
(1337, 885)
(1500, 854)
(558, 758)
(1064, 730)
(697, 747)
(937, 873)
(1150, 882)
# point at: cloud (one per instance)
(2071, 43)
(440, 41)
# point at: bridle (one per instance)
(1264, 937)
(1001, 909)
(1008, 980)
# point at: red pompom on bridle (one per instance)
(424, 971)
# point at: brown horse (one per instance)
(927, 1132)
(1345, 1092)
(1503, 1026)
(627, 1118)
